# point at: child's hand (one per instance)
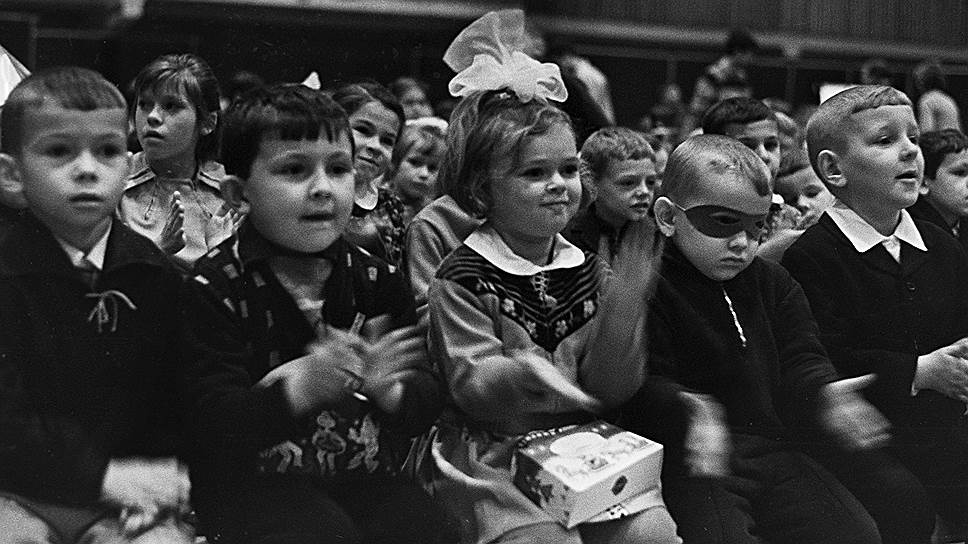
(323, 376)
(147, 490)
(173, 234)
(541, 388)
(395, 352)
(707, 445)
(945, 370)
(637, 262)
(851, 419)
(222, 225)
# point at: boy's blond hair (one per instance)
(701, 155)
(827, 126)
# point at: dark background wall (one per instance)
(638, 44)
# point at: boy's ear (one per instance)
(11, 182)
(828, 162)
(665, 216)
(233, 191)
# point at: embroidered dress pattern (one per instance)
(550, 305)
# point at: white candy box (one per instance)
(579, 472)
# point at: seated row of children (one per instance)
(289, 372)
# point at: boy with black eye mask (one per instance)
(736, 333)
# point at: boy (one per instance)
(729, 325)
(889, 293)
(944, 189)
(296, 446)
(88, 313)
(751, 122)
(618, 171)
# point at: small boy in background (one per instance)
(618, 172)
(944, 189)
(890, 296)
(751, 122)
(89, 314)
(735, 328)
(301, 427)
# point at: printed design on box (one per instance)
(582, 472)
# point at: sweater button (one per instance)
(910, 286)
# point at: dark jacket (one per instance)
(925, 211)
(766, 371)
(243, 324)
(73, 398)
(878, 316)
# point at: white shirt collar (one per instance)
(864, 237)
(95, 257)
(489, 244)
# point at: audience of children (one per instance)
(172, 195)
(307, 374)
(414, 166)
(944, 188)
(269, 336)
(618, 173)
(376, 118)
(727, 324)
(889, 295)
(89, 420)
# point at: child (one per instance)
(732, 326)
(89, 316)
(172, 195)
(376, 119)
(751, 122)
(520, 325)
(297, 447)
(414, 166)
(618, 171)
(944, 189)
(889, 293)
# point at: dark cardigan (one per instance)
(878, 316)
(72, 398)
(925, 211)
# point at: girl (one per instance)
(521, 326)
(172, 195)
(413, 170)
(376, 119)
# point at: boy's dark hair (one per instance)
(355, 95)
(700, 155)
(826, 127)
(929, 76)
(190, 76)
(611, 144)
(286, 112)
(736, 110)
(487, 125)
(242, 82)
(937, 144)
(68, 87)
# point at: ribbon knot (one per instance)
(487, 56)
(106, 309)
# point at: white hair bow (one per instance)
(487, 57)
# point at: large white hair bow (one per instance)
(487, 57)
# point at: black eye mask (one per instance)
(722, 222)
